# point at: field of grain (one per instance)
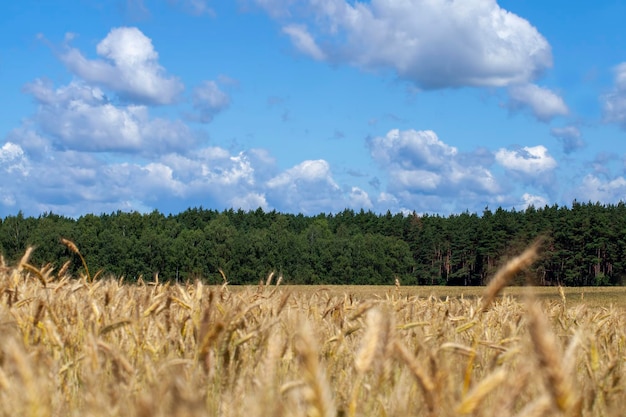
(84, 347)
(589, 296)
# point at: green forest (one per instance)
(583, 245)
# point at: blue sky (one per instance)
(433, 106)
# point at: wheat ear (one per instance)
(548, 354)
(73, 248)
(508, 271)
(318, 394)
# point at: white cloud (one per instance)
(570, 137)
(308, 186)
(250, 201)
(358, 199)
(130, 68)
(411, 147)
(529, 160)
(387, 199)
(433, 43)
(614, 103)
(212, 169)
(424, 172)
(242, 181)
(304, 42)
(304, 173)
(416, 180)
(32, 143)
(80, 117)
(542, 102)
(43, 91)
(419, 161)
(13, 159)
(595, 189)
(72, 183)
(209, 100)
(475, 178)
(536, 201)
(161, 177)
(240, 170)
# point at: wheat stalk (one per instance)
(504, 275)
(318, 393)
(548, 354)
(73, 248)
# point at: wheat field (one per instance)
(79, 346)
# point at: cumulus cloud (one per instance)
(95, 153)
(43, 91)
(75, 182)
(614, 103)
(411, 147)
(160, 177)
(129, 67)
(13, 159)
(536, 201)
(208, 100)
(359, 199)
(387, 199)
(416, 179)
(32, 143)
(250, 201)
(241, 180)
(72, 182)
(419, 161)
(543, 103)
(594, 188)
(308, 185)
(531, 161)
(433, 43)
(211, 169)
(570, 137)
(305, 172)
(210, 177)
(423, 171)
(81, 117)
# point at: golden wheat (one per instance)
(74, 347)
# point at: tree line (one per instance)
(584, 244)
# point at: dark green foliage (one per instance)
(583, 245)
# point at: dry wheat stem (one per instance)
(508, 271)
(548, 354)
